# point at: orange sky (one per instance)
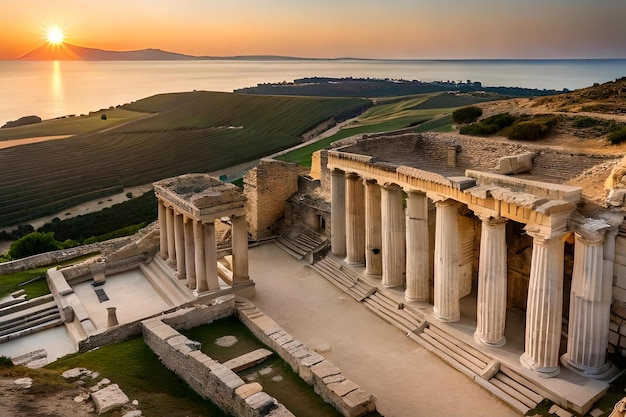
(419, 29)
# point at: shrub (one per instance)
(533, 129)
(5, 362)
(32, 244)
(583, 122)
(466, 114)
(617, 136)
(488, 126)
(129, 195)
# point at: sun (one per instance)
(55, 36)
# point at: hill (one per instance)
(187, 132)
(69, 52)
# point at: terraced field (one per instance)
(188, 132)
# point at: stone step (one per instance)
(301, 242)
(19, 328)
(26, 305)
(399, 315)
(25, 318)
(470, 351)
(33, 328)
(290, 248)
(389, 317)
(516, 390)
(522, 381)
(503, 396)
(163, 285)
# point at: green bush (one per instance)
(32, 244)
(583, 122)
(5, 362)
(488, 126)
(533, 129)
(617, 136)
(466, 114)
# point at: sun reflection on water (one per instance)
(57, 88)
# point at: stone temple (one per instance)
(506, 260)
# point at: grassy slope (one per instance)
(429, 112)
(191, 133)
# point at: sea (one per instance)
(51, 89)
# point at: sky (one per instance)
(391, 29)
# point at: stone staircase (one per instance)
(302, 243)
(513, 388)
(162, 278)
(28, 317)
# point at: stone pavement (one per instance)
(406, 379)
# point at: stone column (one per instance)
(545, 303)
(171, 240)
(417, 255)
(394, 244)
(198, 237)
(446, 298)
(240, 249)
(179, 233)
(590, 305)
(338, 213)
(373, 234)
(492, 281)
(355, 220)
(210, 256)
(190, 251)
(163, 230)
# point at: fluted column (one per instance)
(179, 233)
(190, 251)
(162, 230)
(492, 281)
(446, 298)
(210, 256)
(338, 213)
(545, 304)
(171, 240)
(394, 245)
(355, 220)
(417, 255)
(373, 234)
(198, 236)
(590, 305)
(240, 249)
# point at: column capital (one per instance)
(589, 230)
(545, 234)
(391, 186)
(337, 171)
(352, 176)
(492, 221)
(369, 181)
(448, 202)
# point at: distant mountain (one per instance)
(69, 52)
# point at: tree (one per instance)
(32, 244)
(466, 114)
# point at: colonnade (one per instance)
(370, 227)
(189, 245)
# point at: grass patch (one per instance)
(617, 136)
(488, 126)
(38, 287)
(140, 374)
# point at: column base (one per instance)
(352, 263)
(446, 319)
(415, 300)
(180, 276)
(606, 372)
(499, 343)
(546, 372)
(171, 263)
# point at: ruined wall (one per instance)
(207, 377)
(267, 187)
(617, 326)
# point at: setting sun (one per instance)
(55, 36)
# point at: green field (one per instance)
(420, 111)
(187, 132)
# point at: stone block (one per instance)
(261, 402)
(342, 388)
(324, 369)
(619, 310)
(248, 360)
(333, 379)
(515, 164)
(284, 340)
(359, 402)
(619, 272)
(109, 398)
(247, 390)
(613, 338)
(164, 332)
(619, 294)
(311, 360)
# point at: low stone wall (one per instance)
(347, 397)
(207, 377)
(48, 258)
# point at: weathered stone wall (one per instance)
(207, 377)
(267, 187)
(347, 397)
(617, 326)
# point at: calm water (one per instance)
(52, 89)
